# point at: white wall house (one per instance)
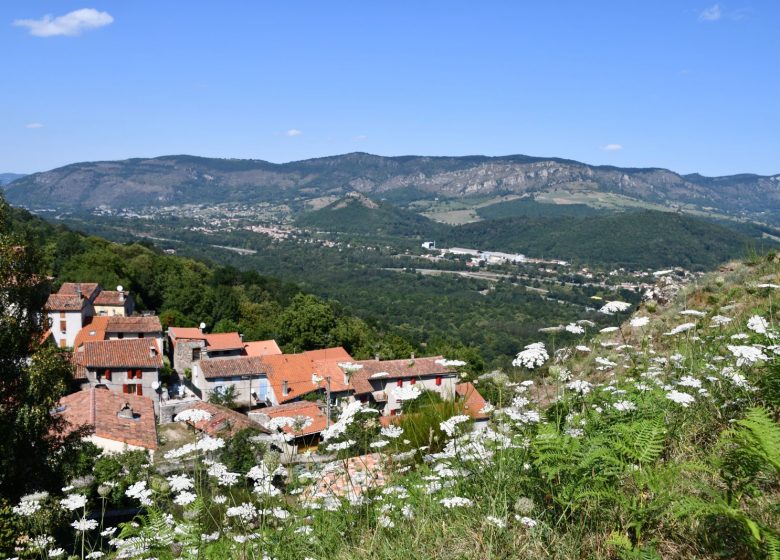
(247, 374)
(380, 382)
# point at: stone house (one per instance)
(127, 366)
(379, 382)
(246, 374)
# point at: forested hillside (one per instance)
(186, 292)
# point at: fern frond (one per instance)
(641, 441)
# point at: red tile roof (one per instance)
(96, 330)
(127, 352)
(337, 353)
(293, 410)
(111, 298)
(396, 369)
(473, 402)
(224, 422)
(59, 302)
(262, 348)
(229, 367)
(98, 408)
(88, 289)
(297, 370)
(224, 341)
(186, 332)
(147, 324)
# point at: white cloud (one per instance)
(711, 14)
(34, 125)
(612, 147)
(71, 24)
(293, 132)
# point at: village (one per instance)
(132, 378)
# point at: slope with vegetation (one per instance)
(657, 438)
(185, 179)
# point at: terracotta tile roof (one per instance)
(229, 367)
(224, 341)
(98, 408)
(127, 352)
(224, 422)
(59, 302)
(88, 289)
(297, 370)
(147, 324)
(293, 410)
(337, 353)
(96, 330)
(186, 332)
(473, 402)
(262, 348)
(111, 298)
(396, 369)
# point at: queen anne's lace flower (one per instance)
(449, 426)
(580, 386)
(180, 482)
(533, 356)
(747, 355)
(84, 524)
(624, 406)
(456, 502)
(392, 431)
(450, 363)
(680, 329)
(185, 498)
(193, 415)
(574, 328)
(639, 321)
(407, 393)
(757, 324)
(680, 398)
(614, 307)
(74, 502)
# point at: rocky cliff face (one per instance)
(175, 180)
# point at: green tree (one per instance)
(33, 375)
(307, 323)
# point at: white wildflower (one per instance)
(74, 502)
(185, 498)
(614, 307)
(456, 502)
(757, 324)
(607, 330)
(392, 432)
(180, 482)
(624, 406)
(449, 426)
(496, 521)
(84, 524)
(689, 381)
(574, 328)
(450, 363)
(747, 355)
(637, 322)
(533, 356)
(407, 393)
(580, 386)
(680, 398)
(193, 415)
(680, 329)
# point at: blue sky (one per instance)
(691, 86)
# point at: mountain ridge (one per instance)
(183, 179)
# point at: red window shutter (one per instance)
(412, 381)
(438, 380)
(139, 374)
(107, 375)
(129, 373)
(393, 412)
(63, 326)
(139, 390)
(400, 382)
(126, 388)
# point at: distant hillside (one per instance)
(528, 208)
(628, 239)
(6, 178)
(358, 214)
(172, 180)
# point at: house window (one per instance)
(63, 343)
(120, 335)
(63, 326)
(400, 382)
(438, 380)
(107, 375)
(129, 388)
(195, 354)
(140, 335)
(139, 374)
(412, 381)
(62, 314)
(394, 412)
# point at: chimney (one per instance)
(78, 291)
(285, 388)
(126, 412)
(412, 357)
(376, 357)
(152, 351)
